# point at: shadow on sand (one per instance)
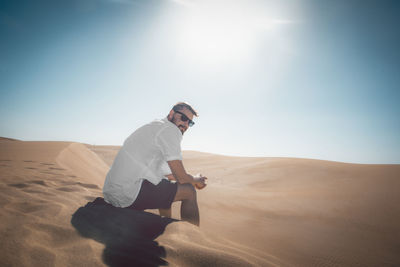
(127, 234)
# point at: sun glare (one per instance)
(213, 34)
(218, 33)
(213, 40)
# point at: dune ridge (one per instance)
(255, 211)
(84, 163)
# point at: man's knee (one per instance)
(190, 191)
(185, 191)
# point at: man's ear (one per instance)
(170, 115)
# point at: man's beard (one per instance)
(180, 127)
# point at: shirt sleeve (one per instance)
(165, 169)
(169, 141)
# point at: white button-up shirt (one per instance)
(144, 155)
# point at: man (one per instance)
(140, 176)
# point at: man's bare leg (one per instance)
(165, 212)
(189, 209)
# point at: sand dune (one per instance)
(255, 211)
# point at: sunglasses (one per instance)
(185, 118)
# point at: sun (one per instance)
(215, 34)
(214, 40)
(222, 33)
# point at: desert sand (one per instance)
(254, 211)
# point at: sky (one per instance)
(303, 78)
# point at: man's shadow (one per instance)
(128, 234)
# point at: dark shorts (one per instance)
(153, 196)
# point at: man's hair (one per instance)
(181, 105)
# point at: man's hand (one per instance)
(200, 181)
(182, 177)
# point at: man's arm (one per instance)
(182, 177)
(179, 172)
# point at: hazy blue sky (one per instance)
(313, 79)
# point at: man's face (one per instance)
(177, 119)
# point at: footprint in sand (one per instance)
(69, 189)
(19, 185)
(5, 161)
(39, 182)
(26, 207)
(26, 187)
(38, 192)
(40, 209)
(47, 164)
(58, 169)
